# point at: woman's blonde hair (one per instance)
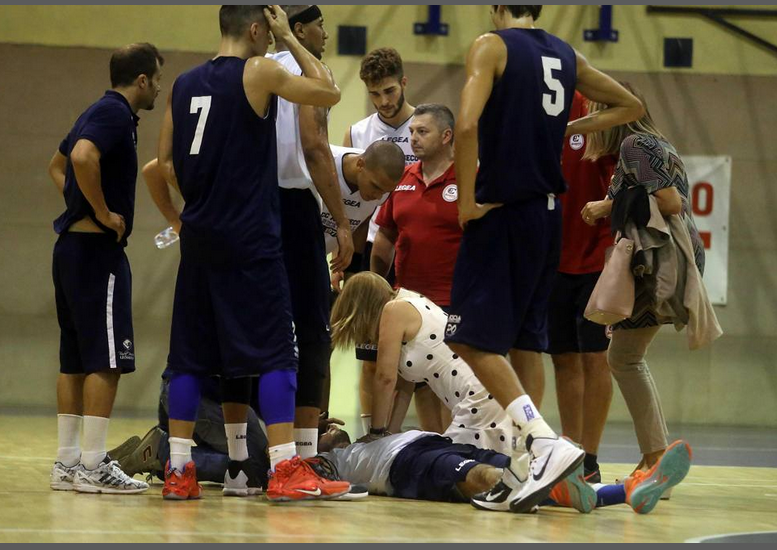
(356, 314)
(608, 142)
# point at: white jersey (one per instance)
(356, 209)
(370, 463)
(292, 169)
(371, 129)
(477, 417)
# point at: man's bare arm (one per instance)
(57, 170)
(160, 194)
(165, 150)
(347, 139)
(382, 256)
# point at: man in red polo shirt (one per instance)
(420, 218)
(578, 346)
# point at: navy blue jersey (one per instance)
(226, 163)
(521, 130)
(111, 126)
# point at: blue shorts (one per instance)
(430, 467)
(568, 330)
(232, 322)
(304, 254)
(504, 276)
(93, 291)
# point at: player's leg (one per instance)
(428, 408)
(531, 372)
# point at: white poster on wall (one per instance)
(710, 182)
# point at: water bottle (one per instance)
(166, 238)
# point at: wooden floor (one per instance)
(711, 501)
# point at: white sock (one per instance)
(279, 453)
(95, 435)
(528, 419)
(236, 441)
(69, 437)
(307, 442)
(180, 452)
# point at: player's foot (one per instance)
(574, 492)
(644, 489)
(553, 459)
(294, 479)
(181, 485)
(326, 469)
(109, 478)
(241, 479)
(142, 456)
(498, 498)
(62, 476)
(593, 476)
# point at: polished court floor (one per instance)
(713, 500)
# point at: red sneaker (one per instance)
(181, 486)
(295, 480)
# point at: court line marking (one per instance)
(709, 538)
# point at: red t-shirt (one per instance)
(427, 222)
(583, 246)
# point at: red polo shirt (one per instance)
(583, 246)
(427, 222)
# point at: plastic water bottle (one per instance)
(166, 238)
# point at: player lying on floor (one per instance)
(426, 466)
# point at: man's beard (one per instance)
(400, 104)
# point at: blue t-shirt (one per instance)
(111, 126)
(521, 130)
(226, 163)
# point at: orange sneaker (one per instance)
(644, 489)
(294, 479)
(574, 492)
(181, 486)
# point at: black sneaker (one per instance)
(499, 497)
(325, 468)
(593, 476)
(241, 479)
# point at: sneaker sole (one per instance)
(582, 496)
(241, 492)
(62, 486)
(352, 496)
(671, 470)
(173, 496)
(491, 506)
(540, 495)
(107, 490)
(305, 497)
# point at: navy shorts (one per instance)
(430, 467)
(93, 291)
(503, 278)
(232, 322)
(568, 330)
(304, 253)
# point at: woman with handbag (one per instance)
(648, 166)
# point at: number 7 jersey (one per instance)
(521, 129)
(226, 163)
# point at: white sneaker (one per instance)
(108, 477)
(499, 497)
(553, 459)
(241, 480)
(61, 478)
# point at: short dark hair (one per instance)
(235, 20)
(520, 11)
(379, 64)
(133, 60)
(443, 116)
(387, 157)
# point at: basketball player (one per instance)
(232, 313)
(513, 117)
(95, 169)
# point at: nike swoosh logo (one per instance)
(492, 497)
(316, 493)
(538, 477)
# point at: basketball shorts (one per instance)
(568, 330)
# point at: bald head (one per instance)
(386, 157)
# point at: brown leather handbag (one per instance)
(612, 300)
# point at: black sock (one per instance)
(589, 463)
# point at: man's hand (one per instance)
(595, 210)
(338, 277)
(369, 438)
(278, 21)
(475, 212)
(325, 423)
(114, 221)
(344, 255)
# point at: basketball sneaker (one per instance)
(181, 485)
(327, 469)
(574, 492)
(109, 478)
(553, 459)
(141, 457)
(61, 478)
(294, 479)
(241, 479)
(645, 489)
(498, 498)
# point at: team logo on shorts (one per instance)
(126, 354)
(576, 141)
(450, 193)
(127, 344)
(463, 463)
(453, 325)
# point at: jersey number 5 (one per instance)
(553, 105)
(201, 104)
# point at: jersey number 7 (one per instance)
(201, 104)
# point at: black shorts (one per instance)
(568, 330)
(93, 292)
(503, 278)
(304, 254)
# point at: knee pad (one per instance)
(313, 366)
